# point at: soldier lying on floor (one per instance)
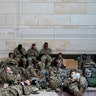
(24, 88)
(76, 84)
(9, 77)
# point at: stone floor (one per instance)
(44, 93)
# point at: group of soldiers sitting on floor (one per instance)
(31, 71)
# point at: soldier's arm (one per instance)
(42, 52)
(49, 51)
(36, 53)
(29, 53)
(79, 65)
(24, 51)
(16, 53)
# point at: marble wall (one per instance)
(69, 26)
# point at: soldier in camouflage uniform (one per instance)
(20, 53)
(86, 63)
(8, 76)
(45, 54)
(10, 61)
(30, 72)
(54, 79)
(32, 53)
(58, 61)
(24, 88)
(40, 64)
(76, 84)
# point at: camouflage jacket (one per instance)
(86, 63)
(18, 54)
(17, 90)
(32, 52)
(30, 72)
(10, 62)
(45, 52)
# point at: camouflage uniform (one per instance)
(20, 55)
(88, 63)
(76, 87)
(46, 56)
(40, 65)
(54, 79)
(17, 90)
(82, 84)
(10, 63)
(9, 78)
(30, 72)
(58, 63)
(32, 54)
(19, 70)
(73, 88)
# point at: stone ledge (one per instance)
(91, 89)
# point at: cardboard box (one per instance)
(70, 63)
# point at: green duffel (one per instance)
(91, 82)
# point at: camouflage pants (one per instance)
(21, 62)
(16, 90)
(12, 91)
(83, 84)
(54, 82)
(73, 88)
(41, 65)
(48, 58)
(31, 58)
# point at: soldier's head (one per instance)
(60, 55)
(19, 47)
(72, 71)
(84, 56)
(8, 70)
(26, 83)
(11, 55)
(33, 46)
(75, 74)
(45, 45)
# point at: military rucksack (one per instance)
(91, 82)
(26, 90)
(90, 72)
(54, 82)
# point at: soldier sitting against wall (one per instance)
(45, 54)
(32, 53)
(10, 61)
(20, 54)
(58, 61)
(87, 63)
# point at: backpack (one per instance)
(54, 82)
(91, 82)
